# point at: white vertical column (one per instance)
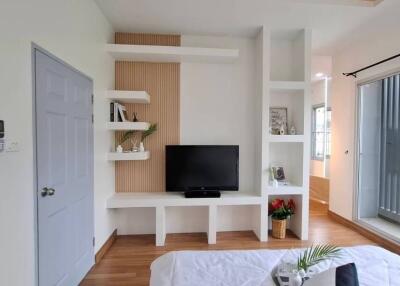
(307, 135)
(160, 226)
(261, 222)
(305, 217)
(212, 224)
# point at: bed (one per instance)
(375, 266)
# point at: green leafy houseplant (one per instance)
(127, 135)
(316, 254)
(148, 132)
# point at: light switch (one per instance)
(12, 146)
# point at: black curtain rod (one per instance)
(354, 73)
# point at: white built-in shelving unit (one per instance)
(129, 96)
(284, 81)
(121, 126)
(285, 138)
(128, 156)
(147, 53)
(160, 201)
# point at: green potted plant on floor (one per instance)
(280, 212)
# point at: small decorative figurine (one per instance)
(292, 131)
(119, 149)
(141, 147)
(135, 148)
(282, 130)
(135, 119)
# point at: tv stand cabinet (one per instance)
(202, 194)
(159, 201)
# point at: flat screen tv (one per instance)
(202, 170)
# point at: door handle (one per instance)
(47, 192)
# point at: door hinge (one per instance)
(94, 240)
(92, 99)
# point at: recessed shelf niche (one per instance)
(295, 222)
(293, 100)
(290, 157)
(287, 52)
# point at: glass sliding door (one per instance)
(389, 199)
(369, 149)
(379, 155)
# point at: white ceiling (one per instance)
(332, 21)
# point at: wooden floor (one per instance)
(128, 261)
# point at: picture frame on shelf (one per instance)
(278, 173)
(278, 118)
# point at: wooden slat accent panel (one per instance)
(319, 188)
(162, 82)
(147, 39)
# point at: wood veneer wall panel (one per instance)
(147, 39)
(162, 82)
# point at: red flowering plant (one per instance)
(280, 210)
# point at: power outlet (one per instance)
(2, 143)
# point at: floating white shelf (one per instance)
(287, 85)
(128, 96)
(128, 156)
(129, 200)
(285, 138)
(128, 125)
(285, 190)
(148, 53)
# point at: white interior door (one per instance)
(64, 138)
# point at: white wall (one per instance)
(317, 97)
(76, 32)
(218, 106)
(376, 41)
(218, 102)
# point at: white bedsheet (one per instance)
(376, 266)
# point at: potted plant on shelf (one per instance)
(145, 134)
(280, 212)
(130, 135)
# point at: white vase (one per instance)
(141, 147)
(288, 275)
(282, 130)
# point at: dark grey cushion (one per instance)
(345, 275)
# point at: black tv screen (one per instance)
(202, 167)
